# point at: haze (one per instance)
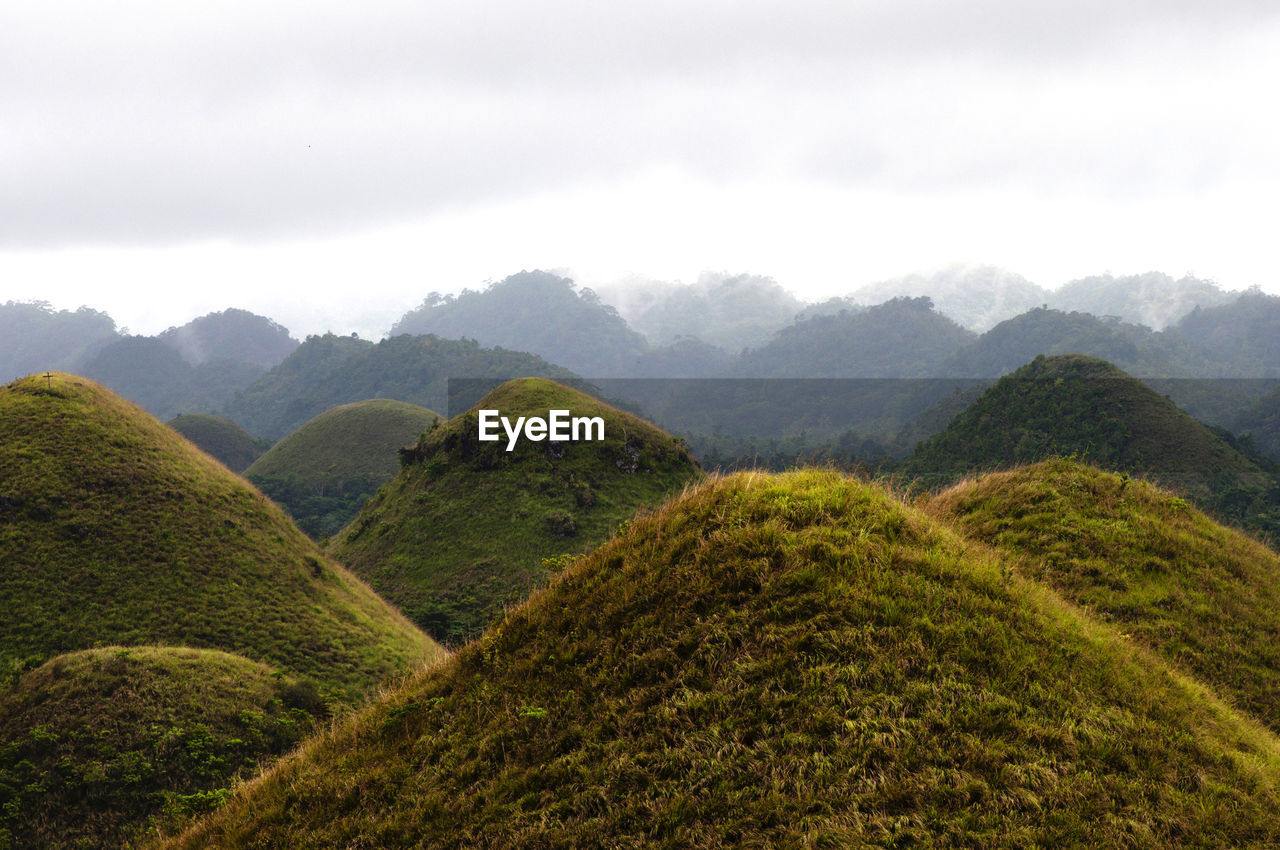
(328, 165)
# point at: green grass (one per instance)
(221, 438)
(781, 660)
(1203, 597)
(465, 527)
(94, 745)
(322, 473)
(116, 530)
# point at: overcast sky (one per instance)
(329, 164)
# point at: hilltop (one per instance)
(231, 335)
(1077, 405)
(1201, 596)
(781, 660)
(323, 472)
(465, 527)
(221, 438)
(114, 530)
(96, 743)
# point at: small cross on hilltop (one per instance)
(48, 380)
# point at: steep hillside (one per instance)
(323, 472)
(1201, 596)
(221, 438)
(464, 528)
(537, 312)
(902, 338)
(97, 743)
(725, 311)
(793, 660)
(116, 530)
(329, 371)
(1071, 404)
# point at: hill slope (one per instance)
(95, 743)
(1201, 596)
(220, 438)
(323, 472)
(781, 661)
(1071, 404)
(465, 526)
(116, 530)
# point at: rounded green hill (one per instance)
(322, 473)
(221, 438)
(1201, 596)
(116, 530)
(96, 744)
(1073, 405)
(466, 526)
(789, 660)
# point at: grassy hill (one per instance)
(1199, 595)
(1077, 405)
(97, 743)
(791, 660)
(322, 473)
(221, 438)
(465, 526)
(116, 530)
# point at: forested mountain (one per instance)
(902, 338)
(231, 335)
(329, 371)
(1241, 337)
(36, 338)
(535, 312)
(153, 374)
(1017, 341)
(731, 312)
(1153, 299)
